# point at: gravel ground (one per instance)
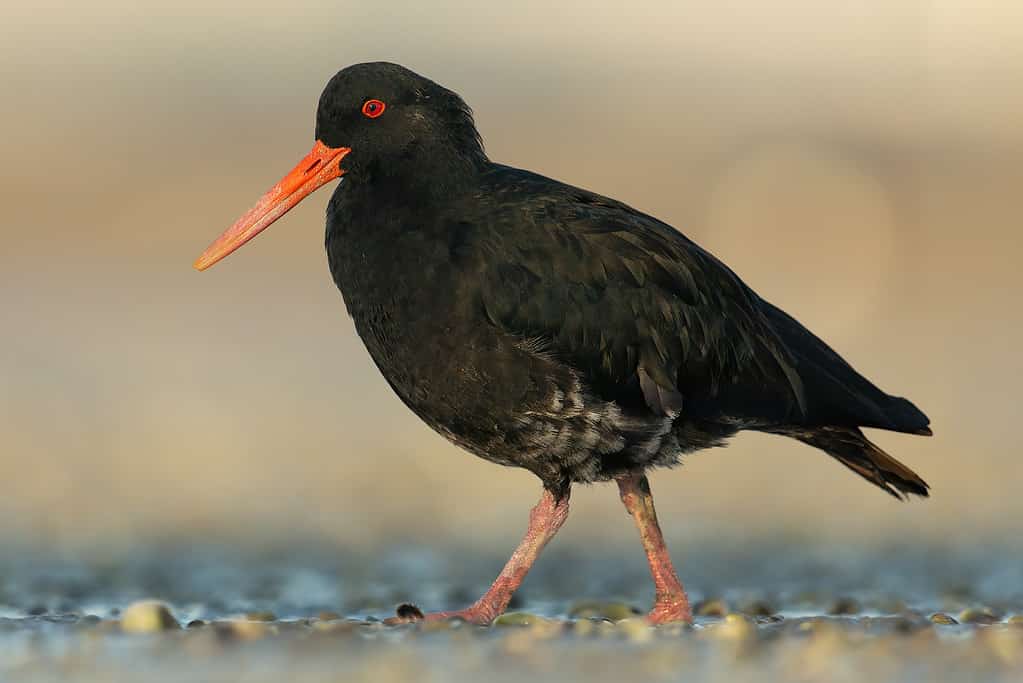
(766, 611)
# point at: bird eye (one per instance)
(373, 108)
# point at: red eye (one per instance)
(373, 108)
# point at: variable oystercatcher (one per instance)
(542, 326)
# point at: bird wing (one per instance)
(648, 317)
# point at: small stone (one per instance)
(328, 616)
(844, 605)
(978, 615)
(408, 611)
(589, 609)
(734, 627)
(90, 620)
(244, 629)
(147, 616)
(712, 608)
(261, 616)
(195, 623)
(519, 619)
(756, 608)
(942, 618)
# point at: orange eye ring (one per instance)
(373, 108)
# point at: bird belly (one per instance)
(504, 402)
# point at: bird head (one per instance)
(375, 123)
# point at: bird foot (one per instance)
(410, 614)
(670, 610)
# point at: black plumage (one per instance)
(540, 325)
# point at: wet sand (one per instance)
(766, 611)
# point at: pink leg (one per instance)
(671, 603)
(544, 521)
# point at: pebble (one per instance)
(712, 608)
(261, 616)
(757, 608)
(406, 611)
(942, 618)
(734, 627)
(843, 606)
(328, 616)
(978, 615)
(244, 629)
(147, 616)
(615, 611)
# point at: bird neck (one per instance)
(424, 173)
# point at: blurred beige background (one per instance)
(859, 164)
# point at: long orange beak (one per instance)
(318, 168)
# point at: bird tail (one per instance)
(850, 447)
(835, 393)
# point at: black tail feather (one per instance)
(851, 448)
(835, 393)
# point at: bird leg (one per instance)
(671, 603)
(544, 521)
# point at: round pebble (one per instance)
(712, 608)
(244, 629)
(615, 611)
(978, 615)
(757, 608)
(942, 618)
(261, 616)
(408, 612)
(734, 627)
(843, 606)
(147, 616)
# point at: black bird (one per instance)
(542, 326)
